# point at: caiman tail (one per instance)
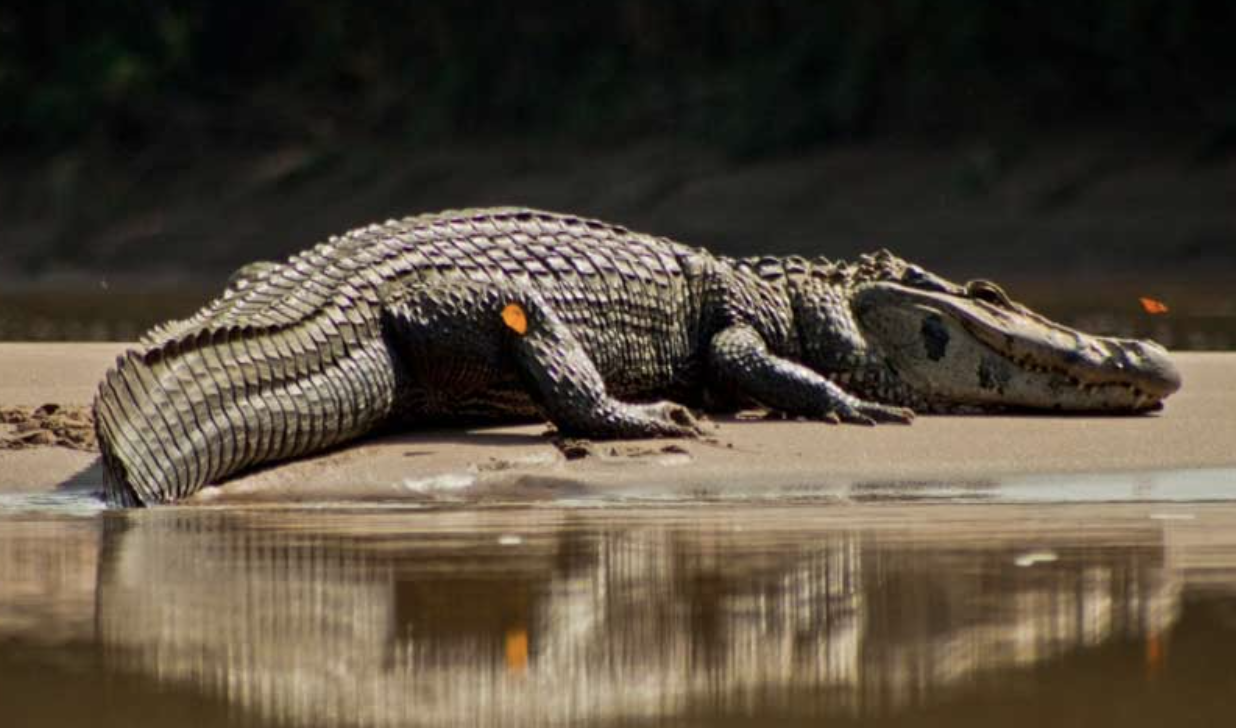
(190, 411)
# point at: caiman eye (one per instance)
(988, 292)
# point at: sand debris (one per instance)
(48, 425)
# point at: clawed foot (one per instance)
(869, 413)
(670, 419)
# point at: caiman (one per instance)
(506, 313)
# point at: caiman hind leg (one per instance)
(453, 359)
(739, 359)
(480, 336)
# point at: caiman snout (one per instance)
(1102, 373)
(963, 347)
(1147, 367)
(1142, 367)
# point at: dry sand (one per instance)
(1196, 431)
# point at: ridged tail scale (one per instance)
(195, 409)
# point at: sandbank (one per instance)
(741, 459)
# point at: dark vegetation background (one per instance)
(1082, 150)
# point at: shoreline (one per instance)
(740, 459)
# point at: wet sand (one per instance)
(741, 459)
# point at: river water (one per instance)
(765, 613)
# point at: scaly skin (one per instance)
(403, 323)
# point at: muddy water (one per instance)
(754, 614)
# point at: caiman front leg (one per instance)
(739, 359)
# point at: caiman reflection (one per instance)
(552, 617)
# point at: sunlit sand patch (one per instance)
(439, 484)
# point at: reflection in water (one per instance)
(340, 622)
(524, 617)
(47, 579)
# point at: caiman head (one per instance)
(923, 342)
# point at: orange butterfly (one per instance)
(1153, 307)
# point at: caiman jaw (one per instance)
(957, 351)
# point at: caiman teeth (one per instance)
(1140, 398)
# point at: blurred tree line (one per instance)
(750, 76)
